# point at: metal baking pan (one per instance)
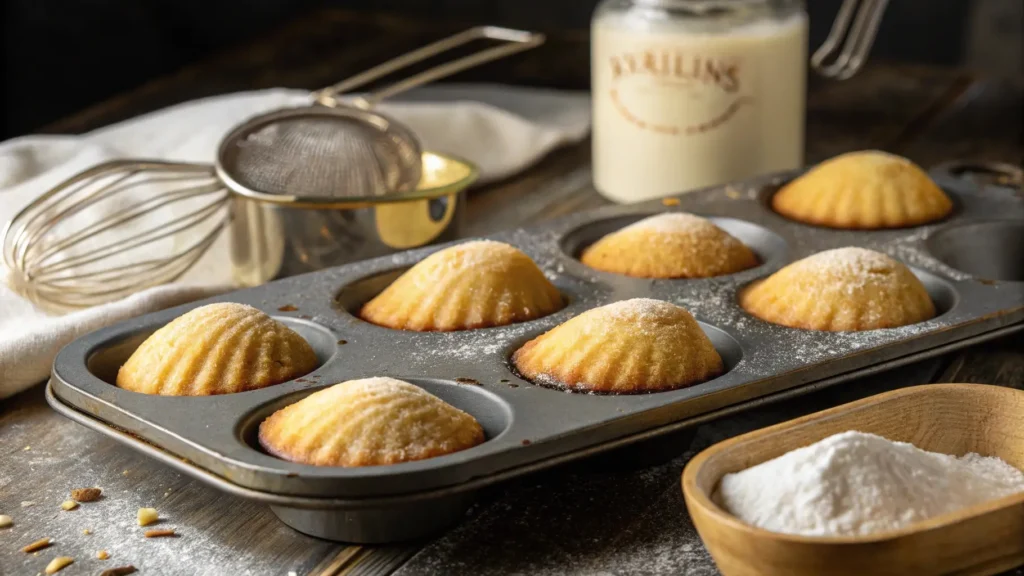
(970, 263)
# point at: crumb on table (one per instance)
(147, 516)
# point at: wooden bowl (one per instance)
(948, 418)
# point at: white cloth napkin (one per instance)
(502, 129)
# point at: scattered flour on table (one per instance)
(854, 483)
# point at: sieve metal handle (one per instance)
(845, 61)
(513, 41)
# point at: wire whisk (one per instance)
(113, 230)
(849, 42)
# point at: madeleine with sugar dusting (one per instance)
(368, 422)
(219, 348)
(475, 284)
(672, 245)
(840, 290)
(628, 347)
(863, 190)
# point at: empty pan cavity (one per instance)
(943, 294)
(352, 296)
(992, 250)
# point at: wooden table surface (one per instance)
(606, 516)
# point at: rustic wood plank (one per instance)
(219, 534)
(998, 362)
(984, 123)
(874, 108)
(557, 185)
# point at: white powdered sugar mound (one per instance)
(855, 484)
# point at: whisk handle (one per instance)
(849, 42)
(513, 41)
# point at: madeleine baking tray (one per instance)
(972, 264)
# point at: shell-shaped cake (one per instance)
(844, 289)
(368, 422)
(670, 245)
(475, 284)
(217, 349)
(628, 347)
(863, 190)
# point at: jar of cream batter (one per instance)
(693, 93)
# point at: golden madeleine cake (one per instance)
(840, 290)
(368, 422)
(475, 284)
(628, 347)
(863, 190)
(671, 245)
(217, 349)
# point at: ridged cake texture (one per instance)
(368, 422)
(863, 190)
(628, 347)
(217, 349)
(476, 284)
(670, 245)
(844, 289)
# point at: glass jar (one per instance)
(693, 93)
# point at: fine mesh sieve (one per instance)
(321, 152)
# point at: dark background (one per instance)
(60, 56)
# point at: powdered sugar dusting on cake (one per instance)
(705, 234)
(842, 289)
(641, 310)
(670, 245)
(383, 385)
(476, 254)
(847, 270)
(850, 263)
(676, 223)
